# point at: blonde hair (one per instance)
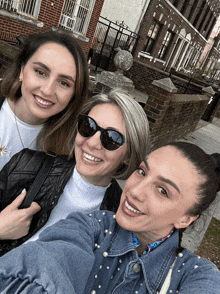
(136, 125)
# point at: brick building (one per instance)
(174, 33)
(29, 16)
(211, 52)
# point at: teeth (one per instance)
(131, 208)
(91, 157)
(43, 102)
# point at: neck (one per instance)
(146, 238)
(19, 111)
(96, 181)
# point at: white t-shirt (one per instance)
(10, 142)
(78, 195)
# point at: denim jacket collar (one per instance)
(155, 265)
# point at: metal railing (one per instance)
(107, 37)
(25, 7)
(76, 15)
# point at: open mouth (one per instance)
(43, 102)
(128, 206)
(92, 158)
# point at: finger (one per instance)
(34, 208)
(18, 200)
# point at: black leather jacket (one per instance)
(2, 99)
(20, 172)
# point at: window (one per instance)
(26, 7)
(165, 44)
(151, 37)
(76, 15)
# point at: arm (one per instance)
(60, 262)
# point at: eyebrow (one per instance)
(169, 182)
(162, 178)
(47, 68)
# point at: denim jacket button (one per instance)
(136, 268)
(93, 292)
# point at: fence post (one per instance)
(160, 94)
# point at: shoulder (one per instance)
(32, 160)
(99, 218)
(197, 272)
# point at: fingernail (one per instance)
(24, 190)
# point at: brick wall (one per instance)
(50, 16)
(143, 75)
(171, 116)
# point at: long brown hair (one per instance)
(55, 133)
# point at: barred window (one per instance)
(165, 45)
(76, 15)
(151, 37)
(26, 7)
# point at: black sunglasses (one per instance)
(110, 138)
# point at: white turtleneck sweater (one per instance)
(78, 195)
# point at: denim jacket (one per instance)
(93, 255)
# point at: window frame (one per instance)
(78, 17)
(150, 41)
(168, 38)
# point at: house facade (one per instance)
(29, 16)
(173, 34)
(210, 59)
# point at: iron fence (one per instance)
(107, 37)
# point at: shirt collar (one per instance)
(151, 246)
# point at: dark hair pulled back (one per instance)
(203, 163)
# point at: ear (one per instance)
(185, 221)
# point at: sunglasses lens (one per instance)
(86, 126)
(111, 140)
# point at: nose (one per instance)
(48, 87)
(139, 189)
(94, 141)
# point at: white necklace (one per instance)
(19, 132)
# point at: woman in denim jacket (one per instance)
(135, 251)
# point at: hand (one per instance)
(15, 222)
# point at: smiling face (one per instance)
(48, 83)
(156, 197)
(96, 164)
